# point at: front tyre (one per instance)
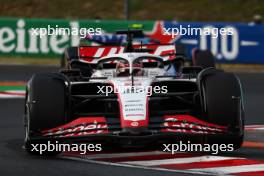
(45, 108)
(222, 104)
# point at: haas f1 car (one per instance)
(128, 95)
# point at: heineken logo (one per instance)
(30, 37)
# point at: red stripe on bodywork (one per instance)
(88, 52)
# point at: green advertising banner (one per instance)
(27, 37)
(48, 38)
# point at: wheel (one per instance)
(204, 59)
(45, 107)
(223, 105)
(68, 55)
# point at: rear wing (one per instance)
(91, 54)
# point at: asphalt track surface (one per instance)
(15, 161)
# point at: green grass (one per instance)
(29, 61)
(10, 88)
(182, 10)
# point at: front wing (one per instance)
(179, 127)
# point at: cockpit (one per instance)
(130, 65)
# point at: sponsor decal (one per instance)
(18, 37)
(79, 127)
(92, 53)
(190, 124)
(134, 124)
(158, 31)
(133, 105)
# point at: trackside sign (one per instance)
(243, 43)
(18, 36)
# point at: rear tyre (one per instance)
(204, 59)
(223, 105)
(44, 109)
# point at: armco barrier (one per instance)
(246, 45)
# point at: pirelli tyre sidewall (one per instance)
(45, 106)
(222, 103)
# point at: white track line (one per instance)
(3, 96)
(15, 91)
(179, 160)
(254, 127)
(232, 169)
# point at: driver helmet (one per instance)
(122, 69)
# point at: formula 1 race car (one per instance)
(126, 95)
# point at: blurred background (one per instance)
(191, 10)
(243, 50)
